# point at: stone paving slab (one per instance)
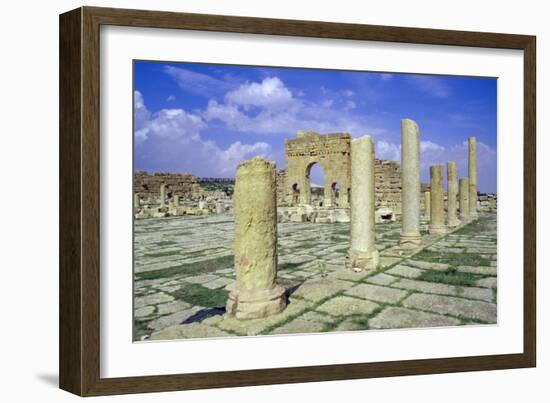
(484, 311)
(344, 306)
(327, 296)
(377, 293)
(405, 271)
(394, 317)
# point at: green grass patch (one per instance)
(453, 259)
(163, 254)
(166, 243)
(204, 266)
(196, 294)
(451, 277)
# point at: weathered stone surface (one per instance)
(405, 271)
(464, 197)
(427, 265)
(490, 282)
(173, 319)
(254, 327)
(472, 175)
(452, 192)
(299, 326)
(437, 203)
(394, 317)
(381, 279)
(343, 306)
(445, 289)
(410, 184)
(318, 289)
(220, 282)
(257, 294)
(189, 331)
(484, 311)
(144, 311)
(152, 299)
(376, 293)
(171, 307)
(362, 254)
(488, 270)
(201, 279)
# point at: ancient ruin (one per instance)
(332, 152)
(472, 175)
(452, 192)
(362, 254)
(437, 203)
(256, 294)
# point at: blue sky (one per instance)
(206, 118)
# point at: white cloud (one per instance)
(170, 140)
(387, 151)
(197, 83)
(427, 145)
(271, 94)
(348, 93)
(277, 111)
(386, 76)
(171, 98)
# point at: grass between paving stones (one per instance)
(201, 267)
(166, 243)
(163, 254)
(451, 277)
(196, 294)
(453, 259)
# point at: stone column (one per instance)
(452, 192)
(256, 294)
(427, 205)
(472, 175)
(362, 254)
(464, 197)
(137, 205)
(437, 214)
(176, 200)
(220, 208)
(162, 194)
(410, 184)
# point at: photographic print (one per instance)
(276, 201)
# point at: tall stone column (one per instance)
(452, 192)
(464, 198)
(410, 184)
(137, 204)
(162, 194)
(362, 254)
(255, 211)
(437, 214)
(427, 205)
(472, 175)
(176, 200)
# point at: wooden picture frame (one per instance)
(79, 278)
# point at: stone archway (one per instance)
(295, 194)
(331, 152)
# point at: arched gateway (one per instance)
(332, 153)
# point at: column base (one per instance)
(255, 304)
(359, 261)
(437, 230)
(410, 241)
(454, 223)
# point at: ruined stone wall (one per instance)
(332, 152)
(181, 184)
(387, 185)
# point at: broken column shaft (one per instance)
(256, 294)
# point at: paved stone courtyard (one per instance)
(184, 268)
